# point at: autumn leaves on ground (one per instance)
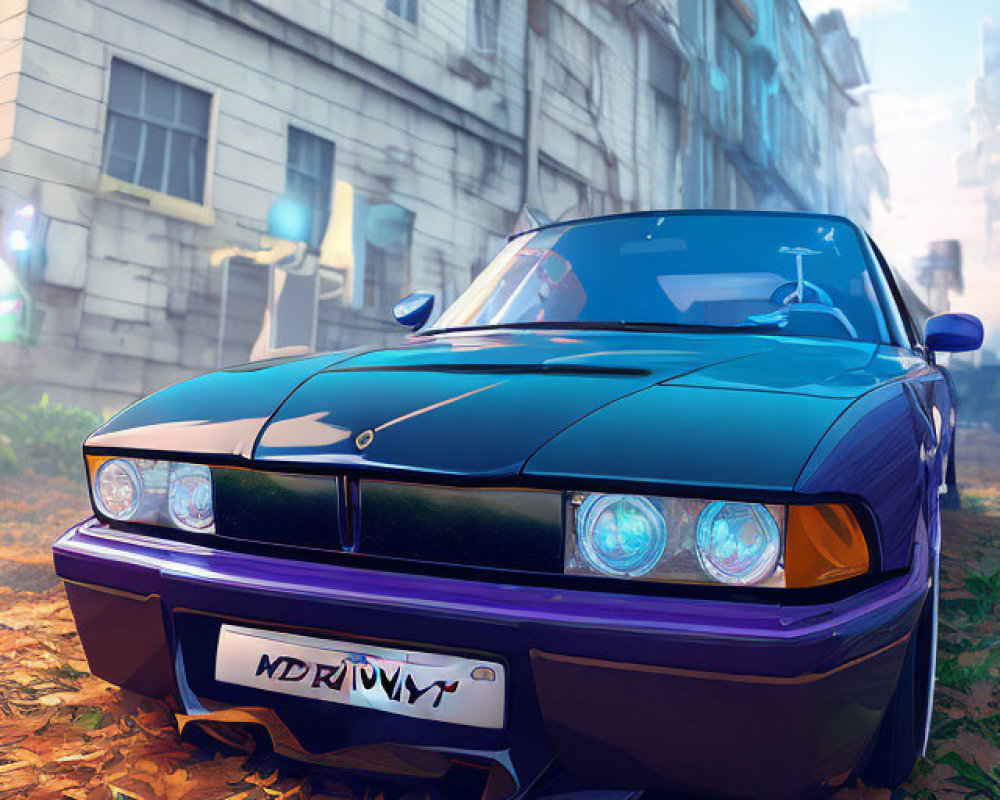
(67, 734)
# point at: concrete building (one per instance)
(191, 183)
(939, 273)
(979, 166)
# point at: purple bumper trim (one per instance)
(812, 638)
(636, 663)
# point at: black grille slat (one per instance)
(496, 528)
(297, 510)
(491, 528)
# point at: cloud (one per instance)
(855, 10)
(895, 113)
(919, 135)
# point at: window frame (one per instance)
(404, 5)
(489, 52)
(732, 62)
(305, 130)
(378, 303)
(135, 195)
(908, 334)
(887, 313)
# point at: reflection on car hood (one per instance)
(484, 404)
(219, 414)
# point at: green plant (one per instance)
(42, 436)
(8, 458)
(985, 590)
(955, 675)
(973, 777)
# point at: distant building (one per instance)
(191, 183)
(939, 272)
(979, 166)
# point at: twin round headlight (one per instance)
(621, 535)
(626, 536)
(701, 541)
(738, 542)
(155, 492)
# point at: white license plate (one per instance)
(425, 685)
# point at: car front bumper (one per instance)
(626, 691)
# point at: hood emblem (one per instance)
(363, 439)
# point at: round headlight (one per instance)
(738, 542)
(621, 535)
(117, 489)
(190, 498)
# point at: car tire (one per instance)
(901, 736)
(952, 499)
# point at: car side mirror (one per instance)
(953, 333)
(414, 310)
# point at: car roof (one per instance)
(692, 212)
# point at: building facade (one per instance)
(979, 166)
(193, 183)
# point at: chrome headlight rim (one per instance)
(154, 478)
(589, 513)
(131, 471)
(759, 570)
(185, 520)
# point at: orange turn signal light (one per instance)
(94, 464)
(823, 544)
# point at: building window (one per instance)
(486, 24)
(791, 33)
(730, 61)
(407, 9)
(157, 132)
(308, 187)
(572, 69)
(386, 254)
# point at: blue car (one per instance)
(654, 504)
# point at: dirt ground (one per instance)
(67, 734)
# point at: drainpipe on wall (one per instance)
(666, 28)
(535, 32)
(633, 27)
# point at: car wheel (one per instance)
(902, 735)
(952, 499)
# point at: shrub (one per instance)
(42, 436)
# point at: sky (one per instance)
(922, 56)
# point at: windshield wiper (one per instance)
(743, 327)
(619, 325)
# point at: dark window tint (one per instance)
(407, 9)
(157, 132)
(793, 275)
(308, 185)
(486, 20)
(385, 261)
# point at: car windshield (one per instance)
(795, 275)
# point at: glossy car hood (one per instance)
(494, 404)
(219, 414)
(749, 423)
(472, 404)
(483, 405)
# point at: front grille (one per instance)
(297, 510)
(499, 528)
(509, 529)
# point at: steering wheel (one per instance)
(816, 302)
(788, 292)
